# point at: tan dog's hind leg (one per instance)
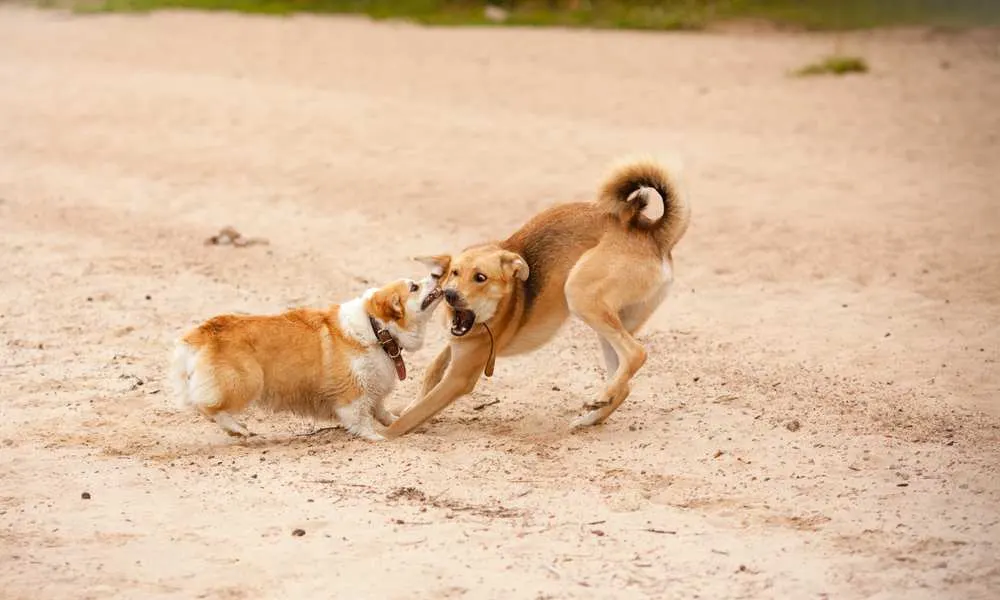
(633, 317)
(631, 357)
(605, 290)
(610, 357)
(468, 359)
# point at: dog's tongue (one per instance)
(462, 322)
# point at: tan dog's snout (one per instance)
(462, 318)
(454, 298)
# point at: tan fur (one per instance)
(301, 361)
(608, 262)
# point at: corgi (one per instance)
(336, 364)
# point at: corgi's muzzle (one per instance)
(431, 298)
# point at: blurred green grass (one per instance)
(834, 65)
(607, 14)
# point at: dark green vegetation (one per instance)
(835, 65)
(624, 14)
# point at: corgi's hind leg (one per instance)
(223, 390)
(231, 425)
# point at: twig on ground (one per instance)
(336, 482)
(485, 404)
(318, 431)
(412, 542)
(229, 236)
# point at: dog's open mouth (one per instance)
(462, 321)
(430, 298)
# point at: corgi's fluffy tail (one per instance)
(181, 370)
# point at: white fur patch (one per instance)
(654, 203)
(353, 319)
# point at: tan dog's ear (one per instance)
(514, 265)
(438, 264)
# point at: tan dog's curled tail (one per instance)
(645, 196)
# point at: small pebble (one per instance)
(793, 425)
(85, 495)
(299, 532)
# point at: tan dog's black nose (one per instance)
(453, 298)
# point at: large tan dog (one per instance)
(608, 262)
(335, 364)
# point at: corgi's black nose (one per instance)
(452, 297)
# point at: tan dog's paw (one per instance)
(595, 415)
(588, 420)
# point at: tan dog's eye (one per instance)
(454, 273)
(480, 278)
(414, 288)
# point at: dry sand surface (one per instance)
(819, 416)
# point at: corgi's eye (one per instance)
(480, 278)
(454, 273)
(414, 288)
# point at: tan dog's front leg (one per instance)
(434, 373)
(468, 359)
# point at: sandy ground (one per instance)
(819, 418)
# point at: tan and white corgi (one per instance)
(336, 364)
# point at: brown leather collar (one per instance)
(391, 347)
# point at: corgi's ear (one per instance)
(386, 304)
(396, 306)
(438, 264)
